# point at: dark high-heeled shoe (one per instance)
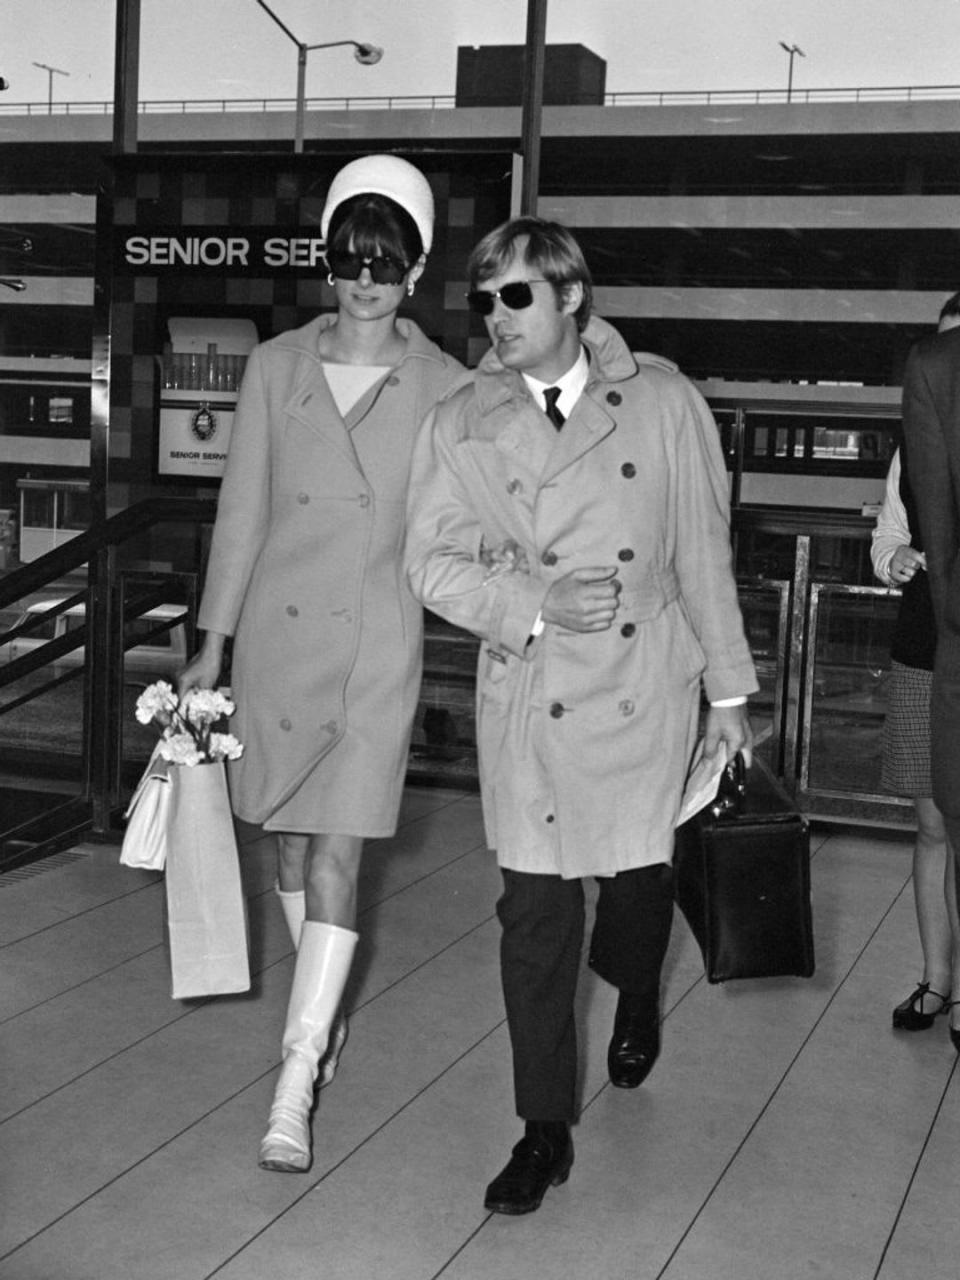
(911, 1015)
(954, 1032)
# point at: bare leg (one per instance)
(326, 867)
(936, 919)
(950, 882)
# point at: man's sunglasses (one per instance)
(348, 266)
(517, 296)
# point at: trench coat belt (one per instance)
(648, 597)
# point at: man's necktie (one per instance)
(551, 395)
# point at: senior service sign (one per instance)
(191, 250)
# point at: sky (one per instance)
(232, 49)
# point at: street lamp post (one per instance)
(51, 72)
(366, 54)
(792, 50)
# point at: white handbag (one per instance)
(148, 815)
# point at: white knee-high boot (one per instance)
(294, 912)
(323, 964)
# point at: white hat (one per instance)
(384, 176)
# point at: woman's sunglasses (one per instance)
(517, 296)
(348, 266)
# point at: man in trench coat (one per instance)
(931, 428)
(589, 549)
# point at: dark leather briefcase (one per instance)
(742, 879)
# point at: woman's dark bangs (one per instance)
(375, 225)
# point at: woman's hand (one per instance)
(203, 670)
(904, 564)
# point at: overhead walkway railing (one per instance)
(447, 102)
(93, 625)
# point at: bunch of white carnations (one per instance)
(188, 734)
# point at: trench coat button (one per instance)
(556, 710)
(628, 629)
(549, 818)
(627, 707)
(614, 398)
(303, 498)
(628, 470)
(625, 554)
(331, 727)
(293, 611)
(285, 724)
(514, 486)
(393, 381)
(549, 557)
(364, 499)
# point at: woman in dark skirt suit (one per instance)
(898, 560)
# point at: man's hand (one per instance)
(905, 563)
(730, 725)
(584, 599)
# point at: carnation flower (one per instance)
(180, 748)
(204, 706)
(157, 702)
(188, 736)
(224, 746)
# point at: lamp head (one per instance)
(368, 54)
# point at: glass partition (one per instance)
(846, 672)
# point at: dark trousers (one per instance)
(542, 917)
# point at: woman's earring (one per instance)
(331, 279)
(410, 288)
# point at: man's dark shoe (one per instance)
(635, 1044)
(541, 1159)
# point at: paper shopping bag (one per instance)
(206, 910)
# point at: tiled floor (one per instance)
(785, 1133)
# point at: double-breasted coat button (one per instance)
(628, 629)
(614, 398)
(514, 486)
(627, 707)
(549, 558)
(549, 818)
(625, 554)
(293, 611)
(331, 726)
(364, 499)
(393, 381)
(285, 724)
(556, 710)
(628, 470)
(303, 498)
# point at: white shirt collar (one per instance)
(571, 384)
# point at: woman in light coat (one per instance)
(305, 574)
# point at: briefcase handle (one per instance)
(728, 802)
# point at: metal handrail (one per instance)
(116, 529)
(97, 548)
(446, 102)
